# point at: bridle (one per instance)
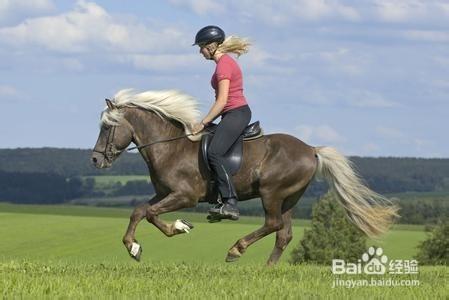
(109, 149)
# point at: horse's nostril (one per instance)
(94, 160)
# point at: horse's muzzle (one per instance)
(99, 161)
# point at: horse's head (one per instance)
(115, 135)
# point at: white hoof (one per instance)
(135, 249)
(183, 226)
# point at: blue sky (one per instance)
(370, 78)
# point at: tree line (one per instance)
(384, 174)
(51, 188)
(50, 175)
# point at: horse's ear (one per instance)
(109, 103)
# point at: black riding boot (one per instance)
(227, 210)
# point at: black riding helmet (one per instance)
(209, 34)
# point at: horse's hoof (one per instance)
(233, 255)
(135, 251)
(183, 226)
(187, 223)
(232, 258)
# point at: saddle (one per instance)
(233, 158)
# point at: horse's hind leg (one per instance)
(283, 237)
(273, 222)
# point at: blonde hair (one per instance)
(234, 44)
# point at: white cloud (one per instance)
(399, 11)
(263, 63)
(348, 13)
(369, 99)
(444, 7)
(259, 56)
(282, 12)
(393, 10)
(273, 12)
(312, 10)
(344, 60)
(8, 91)
(158, 62)
(319, 9)
(417, 145)
(89, 27)
(11, 9)
(321, 134)
(333, 56)
(201, 7)
(29, 5)
(347, 96)
(432, 36)
(88, 32)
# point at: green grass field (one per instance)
(108, 180)
(74, 251)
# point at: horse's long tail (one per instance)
(368, 210)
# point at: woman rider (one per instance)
(230, 104)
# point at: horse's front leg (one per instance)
(151, 210)
(138, 214)
(174, 201)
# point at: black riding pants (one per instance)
(228, 131)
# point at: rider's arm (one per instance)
(220, 102)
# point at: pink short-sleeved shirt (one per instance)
(227, 68)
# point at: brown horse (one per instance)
(276, 167)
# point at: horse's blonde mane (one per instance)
(169, 104)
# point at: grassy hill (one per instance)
(72, 251)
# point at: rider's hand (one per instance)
(197, 128)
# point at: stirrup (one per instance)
(214, 218)
(221, 213)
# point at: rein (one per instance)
(163, 141)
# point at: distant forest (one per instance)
(384, 175)
(52, 175)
